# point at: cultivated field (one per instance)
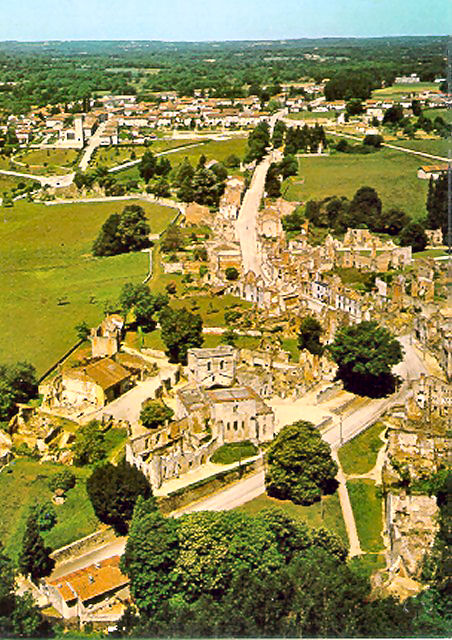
(51, 282)
(392, 173)
(445, 114)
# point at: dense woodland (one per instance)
(56, 72)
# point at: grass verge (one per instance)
(360, 454)
(366, 505)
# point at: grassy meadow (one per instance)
(112, 156)
(25, 483)
(312, 115)
(47, 160)
(326, 514)
(434, 146)
(367, 509)
(392, 173)
(360, 454)
(51, 282)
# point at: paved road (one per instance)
(246, 225)
(92, 145)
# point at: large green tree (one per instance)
(144, 304)
(365, 354)
(113, 491)
(122, 233)
(309, 336)
(300, 466)
(413, 235)
(34, 558)
(181, 330)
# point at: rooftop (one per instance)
(92, 581)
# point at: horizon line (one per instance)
(281, 39)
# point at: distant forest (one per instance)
(53, 72)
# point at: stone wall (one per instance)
(201, 489)
(84, 545)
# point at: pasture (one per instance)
(392, 173)
(50, 280)
(115, 155)
(396, 91)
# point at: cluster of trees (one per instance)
(216, 574)
(365, 209)
(300, 466)
(201, 185)
(346, 85)
(304, 139)
(181, 330)
(18, 383)
(258, 142)
(155, 413)
(155, 172)
(123, 232)
(394, 117)
(365, 354)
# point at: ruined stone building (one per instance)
(210, 411)
(106, 338)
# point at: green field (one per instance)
(360, 454)
(367, 509)
(401, 90)
(11, 182)
(327, 514)
(312, 115)
(436, 147)
(445, 114)
(392, 173)
(26, 482)
(112, 156)
(51, 282)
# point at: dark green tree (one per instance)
(365, 206)
(181, 330)
(437, 206)
(231, 273)
(300, 467)
(147, 166)
(121, 233)
(83, 330)
(309, 336)
(365, 354)
(18, 383)
(34, 559)
(173, 240)
(114, 490)
(413, 235)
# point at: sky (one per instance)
(195, 20)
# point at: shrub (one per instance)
(64, 480)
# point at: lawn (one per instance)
(366, 564)
(367, 509)
(27, 483)
(436, 147)
(392, 173)
(401, 90)
(211, 309)
(360, 454)
(327, 514)
(47, 159)
(234, 452)
(51, 282)
(291, 345)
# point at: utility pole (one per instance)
(341, 440)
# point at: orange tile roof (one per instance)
(92, 581)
